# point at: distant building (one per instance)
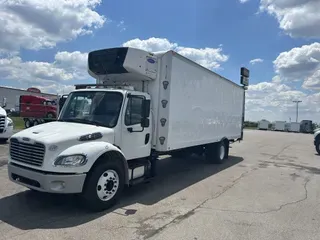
(12, 95)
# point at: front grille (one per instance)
(32, 154)
(2, 123)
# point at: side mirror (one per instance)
(145, 113)
(145, 122)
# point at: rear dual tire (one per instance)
(216, 153)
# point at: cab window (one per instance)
(133, 110)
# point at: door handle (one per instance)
(147, 138)
(130, 129)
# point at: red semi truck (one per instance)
(35, 110)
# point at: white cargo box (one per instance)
(263, 125)
(294, 127)
(191, 105)
(280, 126)
(197, 106)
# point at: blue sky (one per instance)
(51, 44)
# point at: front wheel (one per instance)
(103, 186)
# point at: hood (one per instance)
(316, 132)
(57, 132)
(3, 112)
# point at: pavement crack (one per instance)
(275, 157)
(269, 211)
(184, 216)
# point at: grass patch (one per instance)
(250, 127)
(18, 122)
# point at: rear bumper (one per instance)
(51, 183)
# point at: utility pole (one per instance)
(297, 108)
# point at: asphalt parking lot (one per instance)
(268, 189)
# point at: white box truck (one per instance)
(280, 126)
(110, 134)
(294, 127)
(263, 125)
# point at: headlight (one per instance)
(71, 161)
(10, 123)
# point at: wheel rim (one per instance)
(107, 185)
(27, 124)
(222, 152)
(35, 123)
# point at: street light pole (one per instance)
(297, 108)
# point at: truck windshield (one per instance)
(93, 107)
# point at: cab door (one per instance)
(135, 139)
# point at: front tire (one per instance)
(103, 186)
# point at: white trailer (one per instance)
(280, 126)
(263, 125)
(294, 127)
(110, 134)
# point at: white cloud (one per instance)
(56, 88)
(37, 24)
(273, 101)
(68, 66)
(298, 18)
(300, 64)
(257, 60)
(151, 44)
(276, 79)
(243, 1)
(208, 57)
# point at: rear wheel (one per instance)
(28, 123)
(103, 186)
(50, 115)
(217, 152)
(35, 122)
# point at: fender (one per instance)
(93, 151)
(317, 135)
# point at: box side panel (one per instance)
(163, 102)
(203, 106)
(153, 90)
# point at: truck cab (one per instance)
(37, 107)
(6, 126)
